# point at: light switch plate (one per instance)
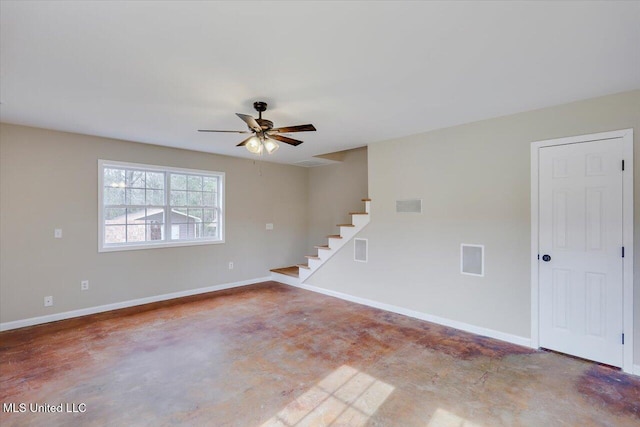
(269, 226)
(57, 233)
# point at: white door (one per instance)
(580, 244)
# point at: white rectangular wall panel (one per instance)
(472, 259)
(360, 250)
(409, 206)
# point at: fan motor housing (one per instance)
(265, 124)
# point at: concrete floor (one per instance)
(273, 355)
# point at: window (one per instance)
(145, 206)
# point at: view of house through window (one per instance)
(144, 206)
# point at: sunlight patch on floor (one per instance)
(344, 397)
(444, 418)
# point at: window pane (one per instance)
(154, 215)
(113, 196)
(135, 179)
(175, 231)
(195, 215)
(113, 177)
(135, 216)
(208, 215)
(115, 216)
(155, 180)
(197, 230)
(210, 184)
(208, 199)
(178, 198)
(155, 231)
(178, 182)
(134, 196)
(136, 233)
(210, 229)
(178, 216)
(183, 231)
(194, 198)
(194, 183)
(115, 234)
(155, 197)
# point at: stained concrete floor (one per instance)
(273, 355)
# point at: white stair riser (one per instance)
(348, 232)
(359, 220)
(304, 274)
(334, 244)
(283, 278)
(324, 254)
(315, 263)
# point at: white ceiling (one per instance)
(361, 72)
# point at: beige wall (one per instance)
(48, 180)
(474, 180)
(334, 191)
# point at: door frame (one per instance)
(626, 135)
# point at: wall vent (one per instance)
(409, 206)
(360, 250)
(472, 259)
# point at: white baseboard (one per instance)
(124, 304)
(636, 370)
(514, 339)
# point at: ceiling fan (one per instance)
(264, 134)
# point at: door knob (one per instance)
(546, 258)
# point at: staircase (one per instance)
(298, 274)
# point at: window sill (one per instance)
(119, 248)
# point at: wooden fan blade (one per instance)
(286, 140)
(250, 121)
(243, 143)
(299, 128)
(225, 131)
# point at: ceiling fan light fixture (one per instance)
(264, 134)
(254, 145)
(270, 145)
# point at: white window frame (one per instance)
(102, 247)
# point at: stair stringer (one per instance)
(347, 233)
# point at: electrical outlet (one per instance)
(231, 266)
(84, 285)
(269, 226)
(57, 233)
(48, 301)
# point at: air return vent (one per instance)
(360, 250)
(409, 206)
(472, 259)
